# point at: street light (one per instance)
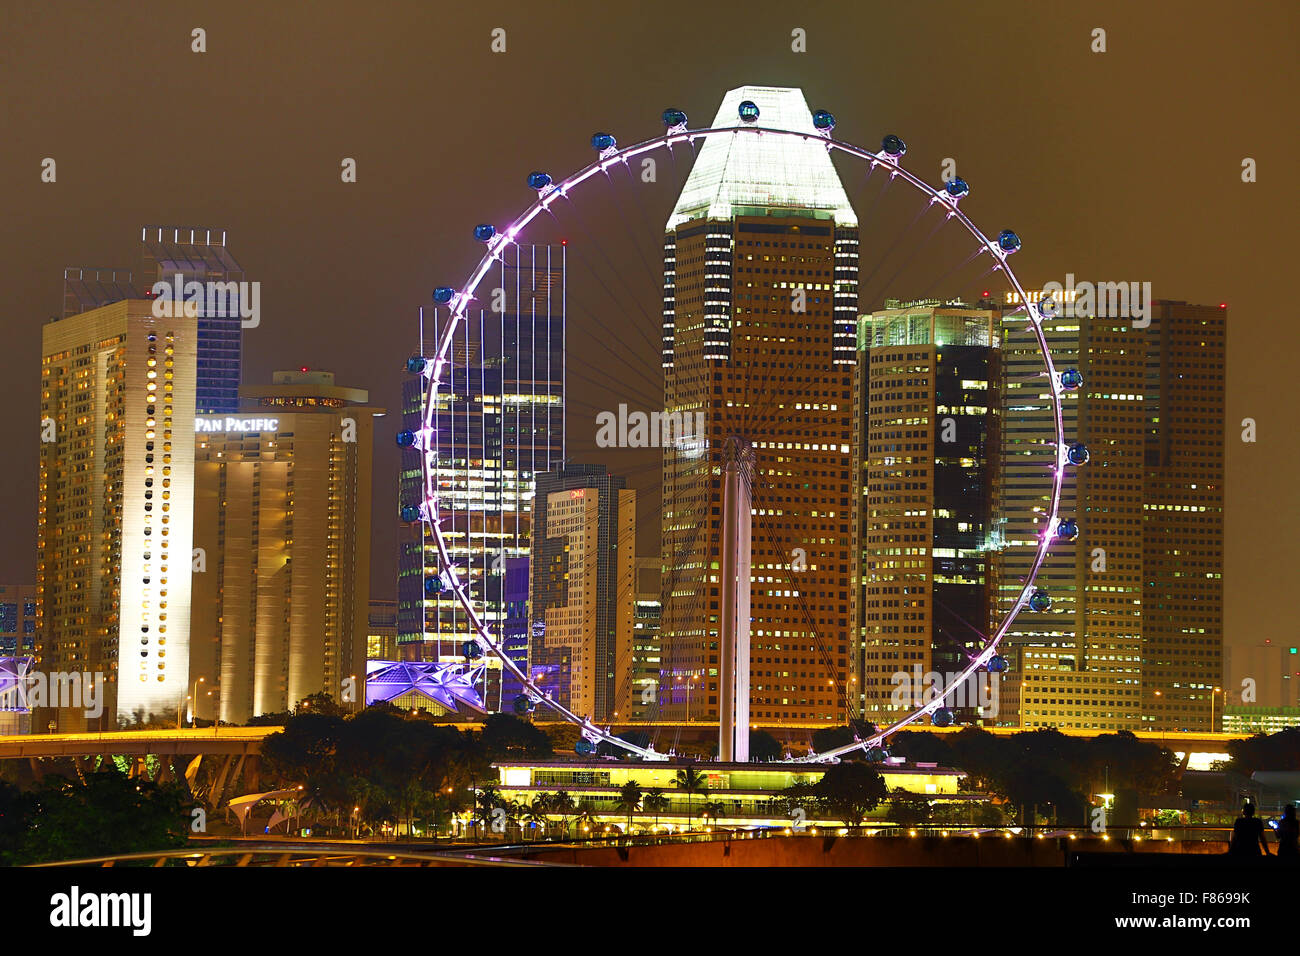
(1217, 690)
(193, 697)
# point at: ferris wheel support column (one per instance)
(737, 538)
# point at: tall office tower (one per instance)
(760, 303)
(180, 257)
(498, 421)
(381, 631)
(583, 588)
(113, 530)
(17, 620)
(643, 688)
(929, 388)
(1077, 664)
(282, 497)
(200, 255)
(1182, 527)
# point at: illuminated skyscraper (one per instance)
(498, 421)
(1182, 526)
(1077, 664)
(760, 301)
(282, 496)
(929, 393)
(113, 532)
(583, 588)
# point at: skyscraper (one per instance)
(498, 421)
(929, 401)
(282, 497)
(760, 301)
(1077, 664)
(116, 493)
(1182, 519)
(583, 588)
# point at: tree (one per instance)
(562, 806)
(505, 736)
(908, 809)
(629, 799)
(319, 703)
(763, 746)
(107, 815)
(850, 791)
(655, 802)
(712, 809)
(691, 782)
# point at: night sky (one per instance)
(1123, 165)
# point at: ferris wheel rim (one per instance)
(553, 192)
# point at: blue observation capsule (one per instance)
(1071, 379)
(748, 112)
(997, 664)
(410, 513)
(471, 649)
(957, 188)
(674, 117)
(483, 232)
(941, 717)
(434, 585)
(823, 120)
(524, 705)
(1068, 530)
(1008, 241)
(1040, 600)
(891, 145)
(877, 754)
(443, 294)
(602, 141)
(416, 364)
(584, 748)
(405, 439)
(1077, 454)
(538, 180)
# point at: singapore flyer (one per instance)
(745, 131)
(547, 440)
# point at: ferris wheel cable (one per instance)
(896, 246)
(655, 275)
(580, 221)
(926, 293)
(910, 258)
(621, 357)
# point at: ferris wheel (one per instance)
(446, 579)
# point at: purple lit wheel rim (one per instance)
(561, 190)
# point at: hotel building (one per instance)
(114, 516)
(282, 522)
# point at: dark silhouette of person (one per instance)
(1248, 835)
(1288, 835)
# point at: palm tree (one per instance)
(562, 805)
(692, 782)
(655, 802)
(712, 810)
(629, 799)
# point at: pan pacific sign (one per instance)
(227, 423)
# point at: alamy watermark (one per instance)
(1103, 300)
(208, 299)
(916, 688)
(637, 429)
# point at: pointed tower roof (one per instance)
(752, 174)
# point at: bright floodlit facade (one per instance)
(116, 494)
